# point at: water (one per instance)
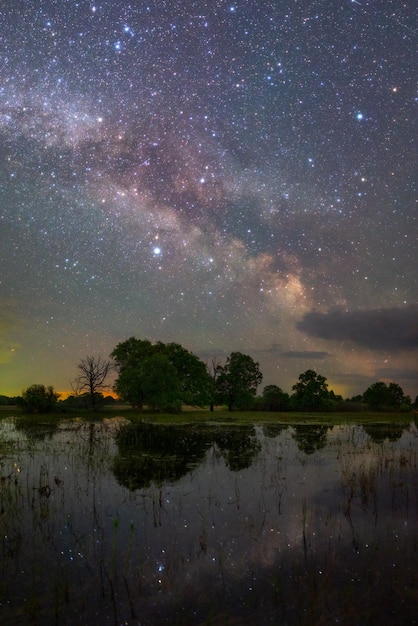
(108, 524)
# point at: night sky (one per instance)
(232, 176)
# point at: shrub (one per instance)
(39, 399)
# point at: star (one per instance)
(256, 159)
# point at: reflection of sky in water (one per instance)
(216, 540)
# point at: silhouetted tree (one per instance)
(39, 399)
(274, 399)
(238, 380)
(92, 378)
(192, 375)
(358, 398)
(213, 368)
(311, 392)
(189, 379)
(129, 357)
(160, 383)
(380, 395)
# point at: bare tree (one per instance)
(75, 387)
(92, 379)
(214, 369)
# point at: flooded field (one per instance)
(111, 523)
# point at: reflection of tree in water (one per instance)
(274, 430)
(239, 446)
(379, 432)
(310, 438)
(35, 429)
(154, 453)
(148, 452)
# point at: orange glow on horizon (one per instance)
(63, 395)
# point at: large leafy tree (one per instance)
(194, 380)
(380, 395)
(129, 357)
(395, 395)
(129, 388)
(132, 351)
(135, 361)
(237, 380)
(160, 383)
(311, 392)
(274, 398)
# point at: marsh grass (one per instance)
(219, 416)
(300, 535)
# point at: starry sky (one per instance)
(232, 176)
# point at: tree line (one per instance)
(166, 376)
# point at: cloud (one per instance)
(378, 329)
(397, 373)
(305, 354)
(273, 348)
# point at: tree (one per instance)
(380, 396)
(129, 357)
(311, 392)
(375, 395)
(39, 399)
(92, 379)
(134, 357)
(160, 383)
(357, 399)
(238, 380)
(128, 387)
(192, 375)
(274, 399)
(213, 369)
(395, 395)
(131, 352)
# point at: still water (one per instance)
(109, 523)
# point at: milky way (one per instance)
(227, 175)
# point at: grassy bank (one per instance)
(220, 415)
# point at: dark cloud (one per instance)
(273, 348)
(378, 329)
(191, 194)
(305, 354)
(397, 373)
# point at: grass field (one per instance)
(222, 416)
